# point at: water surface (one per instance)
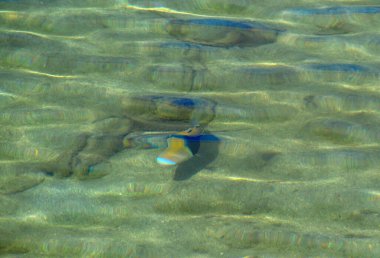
(89, 90)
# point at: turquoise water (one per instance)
(287, 94)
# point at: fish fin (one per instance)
(172, 157)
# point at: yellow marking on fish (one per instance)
(177, 150)
(36, 152)
(176, 144)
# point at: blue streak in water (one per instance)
(338, 67)
(178, 101)
(197, 138)
(336, 10)
(186, 46)
(265, 71)
(179, 45)
(183, 102)
(222, 23)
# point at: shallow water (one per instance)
(288, 96)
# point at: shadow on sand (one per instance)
(205, 150)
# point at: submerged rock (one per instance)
(222, 33)
(68, 149)
(340, 131)
(103, 143)
(75, 142)
(13, 183)
(156, 112)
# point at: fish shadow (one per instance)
(206, 151)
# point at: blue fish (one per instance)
(183, 146)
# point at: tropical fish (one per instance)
(181, 146)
